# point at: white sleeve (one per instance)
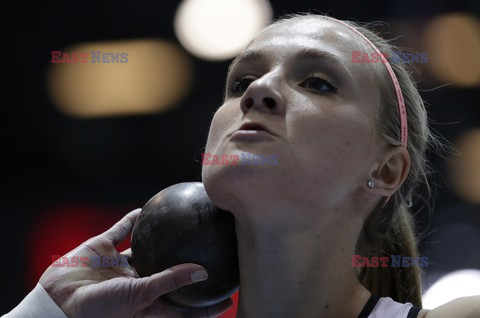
(37, 304)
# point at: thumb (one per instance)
(148, 289)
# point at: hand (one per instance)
(118, 291)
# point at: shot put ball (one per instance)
(180, 224)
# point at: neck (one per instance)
(307, 273)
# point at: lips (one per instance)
(254, 126)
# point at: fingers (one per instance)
(120, 230)
(127, 253)
(150, 288)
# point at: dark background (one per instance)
(66, 179)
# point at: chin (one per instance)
(227, 185)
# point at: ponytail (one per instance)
(384, 234)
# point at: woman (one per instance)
(350, 139)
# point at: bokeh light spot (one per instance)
(220, 29)
(155, 78)
(453, 45)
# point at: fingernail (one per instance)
(198, 275)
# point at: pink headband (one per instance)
(398, 90)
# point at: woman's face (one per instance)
(297, 80)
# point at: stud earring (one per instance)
(371, 184)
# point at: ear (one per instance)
(391, 172)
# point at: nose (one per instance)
(263, 95)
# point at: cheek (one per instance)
(216, 179)
(220, 125)
(213, 135)
(332, 144)
(223, 122)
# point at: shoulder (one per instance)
(464, 307)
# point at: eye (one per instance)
(318, 84)
(240, 85)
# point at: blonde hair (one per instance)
(390, 230)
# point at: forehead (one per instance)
(287, 37)
(315, 32)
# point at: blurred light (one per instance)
(220, 29)
(465, 169)
(155, 77)
(456, 284)
(453, 45)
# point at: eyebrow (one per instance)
(246, 57)
(318, 55)
(314, 54)
(304, 54)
